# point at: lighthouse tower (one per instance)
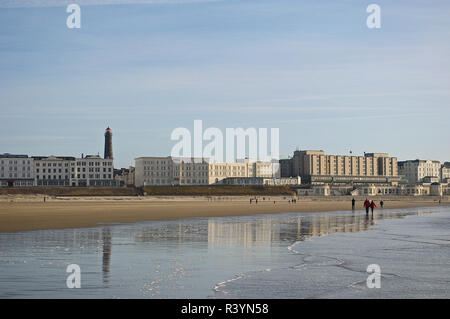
(108, 144)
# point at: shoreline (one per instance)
(28, 215)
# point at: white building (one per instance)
(90, 170)
(16, 170)
(445, 172)
(196, 171)
(264, 181)
(53, 170)
(170, 171)
(415, 171)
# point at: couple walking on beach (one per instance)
(369, 204)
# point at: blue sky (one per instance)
(310, 68)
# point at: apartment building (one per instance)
(92, 170)
(196, 171)
(16, 170)
(89, 170)
(53, 170)
(243, 168)
(311, 163)
(445, 172)
(170, 171)
(415, 171)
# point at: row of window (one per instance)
(156, 162)
(176, 174)
(169, 182)
(90, 176)
(18, 183)
(66, 164)
(15, 162)
(15, 175)
(44, 164)
(15, 168)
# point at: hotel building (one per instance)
(195, 171)
(416, 171)
(445, 172)
(243, 168)
(170, 171)
(16, 170)
(317, 167)
(90, 170)
(53, 170)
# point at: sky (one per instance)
(313, 69)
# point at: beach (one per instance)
(291, 255)
(22, 213)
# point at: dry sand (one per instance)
(25, 215)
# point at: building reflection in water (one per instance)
(259, 230)
(266, 230)
(106, 260)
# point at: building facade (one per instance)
(286, 167)
(244, 168)
(445, 172)
(310, 163)
(416, 171)
(195, 171)
(170, 171)
(89, 170)
(264, 181)
(16, 170)
(124, 176)
(92, 170)
(53, 170)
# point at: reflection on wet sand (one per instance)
(266, 230)
(106, 235)
(260, 230)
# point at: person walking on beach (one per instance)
(353, 204)
(367, 205)
(372, 206)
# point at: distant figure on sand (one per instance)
(353, 204)
(381, 203)
(367, 205)
(372, 206)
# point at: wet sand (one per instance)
(60, 214)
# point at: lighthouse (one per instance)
(108, 144)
